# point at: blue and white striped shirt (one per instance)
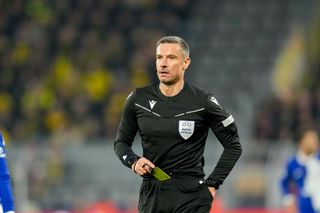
(302, 181)
(6, 195)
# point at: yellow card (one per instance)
(160, 174)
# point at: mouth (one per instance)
(164, 72)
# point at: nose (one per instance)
(163, 63)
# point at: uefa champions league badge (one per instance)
(186, 129)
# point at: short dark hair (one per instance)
(176, 40)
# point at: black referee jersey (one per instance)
(174, 129)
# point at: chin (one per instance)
(167, 82)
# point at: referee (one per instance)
(173, 118)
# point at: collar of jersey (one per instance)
(166, 98)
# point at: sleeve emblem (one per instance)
(214, 100)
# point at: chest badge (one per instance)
(186, 129)
(152, 103)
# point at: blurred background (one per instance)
(67, 66)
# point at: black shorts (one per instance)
(177, 195)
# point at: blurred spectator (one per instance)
(300, 183)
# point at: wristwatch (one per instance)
(132, 159)
(212, 183)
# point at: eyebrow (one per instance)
(169, 55)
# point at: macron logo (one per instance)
(214, 100)
(125, 157)
(152, 103)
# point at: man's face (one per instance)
(170, 63)
(310, 142)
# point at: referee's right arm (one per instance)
(127, 130)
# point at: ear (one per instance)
(186, 63)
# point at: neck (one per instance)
(171, 90)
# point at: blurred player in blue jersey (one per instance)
(301, 183)
(6, 196)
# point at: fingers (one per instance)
(143, 166)
(213, 191)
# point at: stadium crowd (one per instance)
(67, 65)
(297, 104)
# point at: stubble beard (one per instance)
(169, 82)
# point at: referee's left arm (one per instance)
(225, 129)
